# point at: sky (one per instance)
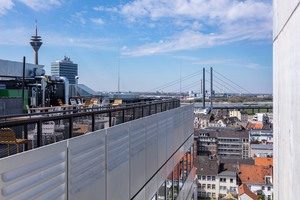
(151, 42)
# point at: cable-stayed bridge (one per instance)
(211, 84)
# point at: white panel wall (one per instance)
(114, 163)
(118, 162)
(37, 174)
(162, 139)
(137, 155)
(286, 87)
(86, 172)
(151, 146)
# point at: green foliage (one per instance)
(261, 197)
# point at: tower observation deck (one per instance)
(36, 43)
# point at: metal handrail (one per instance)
(164, 105)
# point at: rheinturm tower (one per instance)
(36, 43)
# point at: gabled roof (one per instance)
(243, 189)
(254, 125)
(263, 161)
(254, 174)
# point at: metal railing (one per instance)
(89, 117)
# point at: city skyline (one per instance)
(153, 41)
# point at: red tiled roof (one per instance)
(254, 174)
(263, 161)
(255, 126)
(243, 189)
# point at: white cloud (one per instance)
(224, 10)
(224, 22)
(5, 5)
(102, 8)
(41, 4)
(78, 17)
(97, 20)
(99, 8)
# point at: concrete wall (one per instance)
(286, 77)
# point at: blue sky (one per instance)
(154, 41)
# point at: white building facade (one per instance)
(286, 70)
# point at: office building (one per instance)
(65, 68)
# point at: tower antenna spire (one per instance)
(35, 27)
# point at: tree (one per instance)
(261, 197)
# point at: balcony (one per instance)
(70, 123)
(130, 160)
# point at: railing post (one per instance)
(109, 116)
(161, 107)
(70, 127)
(150, 109)
(39, 133)
(133, 113)
(155, 108)
(142, 110)
(93, 122)
(25, 131)
(123, 115)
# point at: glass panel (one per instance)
(154, 197)
(180, 174)
(161, 195)
(175, 182)
(189, 160)
(185, 168)
(170, 187)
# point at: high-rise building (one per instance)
(65, 68)
(286, 48)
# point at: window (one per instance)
(203, 194)
(208, 178)
(222, 179)
(213, 195)
(231, 180)
(208, 194)
(213, 178)
(203, 186)
(269, 188)
(162, 192)
(204, 178)
(175, 181)
(222, 187)
(263, 187)
(232, 189)
(199, 178)
(154, 197)
(169, 187)
(213, 186)
(208, 186)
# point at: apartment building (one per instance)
(207, 172)
(258, 179)
(241, 115)
(233, 144)
(213, 182)
(228, 143)
(206, 143)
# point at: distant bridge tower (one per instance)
(36, 43)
